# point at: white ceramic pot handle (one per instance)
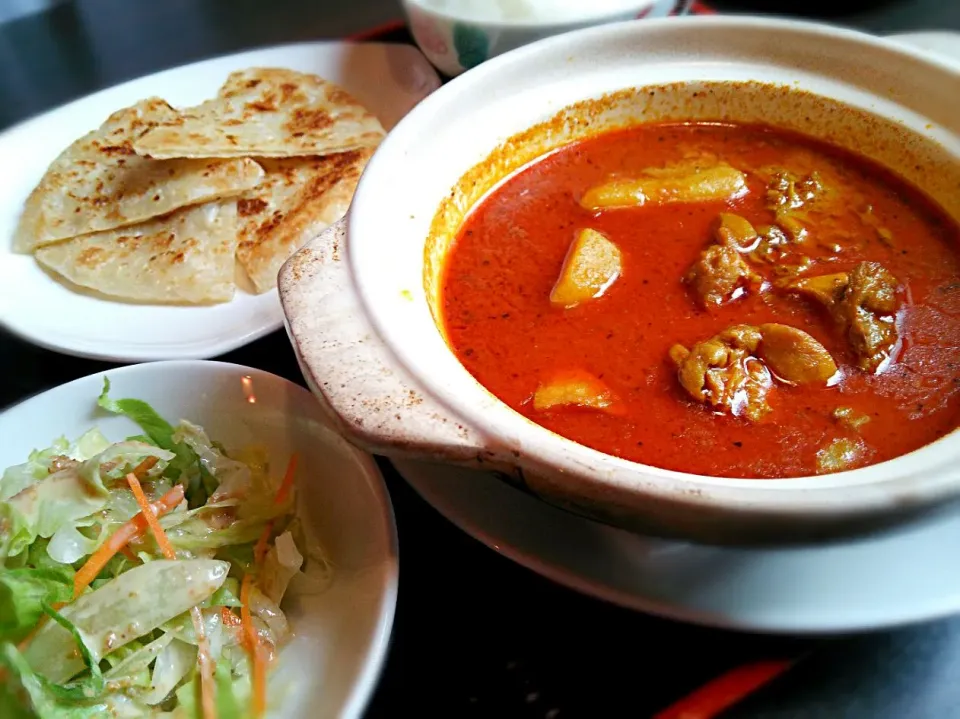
(370, 398)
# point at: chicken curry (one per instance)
(718, 299)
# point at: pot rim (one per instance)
(927, 475)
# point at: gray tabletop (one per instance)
(475, 635)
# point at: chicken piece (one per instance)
(682, 183)
(592, 264)
(721, 273)
(795, 356)
(723, 372)
(868, 311)
(576, 388)
(864, 304)
(772, 245)
(786, 191)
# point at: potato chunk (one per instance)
(575, 388)
(736, 231)
(685, 184)
(592, 264)
(794, 355)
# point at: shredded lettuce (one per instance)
(17, 478)
(67, 545)
(174, 663)
(42, 508)
(124, 609)
(42, 700)
(125, 645)
(134, 658)
(185, 465)
(23, 593)
(85, 688)
(283, 563)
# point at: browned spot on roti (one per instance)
(250, 206)
(90, 257)
(308, 120)
(266, 104)
(121, 149)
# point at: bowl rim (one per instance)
(852, 493)
(374, 661)
(533, 25)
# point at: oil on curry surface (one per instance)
(724, 300)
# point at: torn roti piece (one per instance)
(298, 198)
(264, 112)
(99, 183)
(184, 258)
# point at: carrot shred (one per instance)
(147, 511)
(144, 467)
(261, 548)
(249, 632)
(287, 484)
(208, 696)
(207, 688)
(130, 530)
(128, 553)
(252, 641)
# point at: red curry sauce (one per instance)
(500, 323)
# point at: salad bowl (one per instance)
(340, 609)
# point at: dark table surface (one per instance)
(475, 635)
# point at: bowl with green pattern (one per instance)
(457, 35)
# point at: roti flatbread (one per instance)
(263, 112)
(187, 257)
(99, 183)
(298, 198)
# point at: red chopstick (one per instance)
(729, 688)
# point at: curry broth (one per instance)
(498, 275)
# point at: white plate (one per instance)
(944, 43)
(897, 579)
(342, 632)
(388, 78)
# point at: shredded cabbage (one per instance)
(132, 616)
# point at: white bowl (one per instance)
(457, 35)
(341, 633)
(361, 295)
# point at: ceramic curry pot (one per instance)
(362, 301)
